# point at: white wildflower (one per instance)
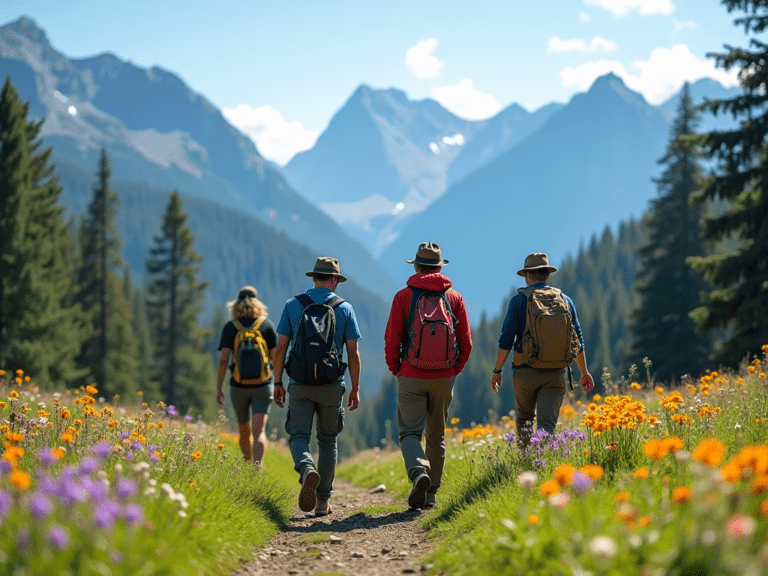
(527, 479)
(603, 547)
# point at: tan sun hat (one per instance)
(327, 265)
(536, 261)
(428, 254)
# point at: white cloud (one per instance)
(583, 17)
(680, 25)
(657, 78)
(420, 61)
(275, 138)
(621, 8)
(466, 101)
(578, 45)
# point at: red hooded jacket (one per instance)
(398, 316)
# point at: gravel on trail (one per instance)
(367, 533)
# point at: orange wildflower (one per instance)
(681, 495)
(20, 479)
(710, 451)
(549, 488)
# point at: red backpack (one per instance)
(430, 339)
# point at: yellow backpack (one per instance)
(251, 365)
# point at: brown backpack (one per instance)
(549, 338)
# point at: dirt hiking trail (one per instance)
(367, 534)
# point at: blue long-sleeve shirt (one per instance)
(514, 322)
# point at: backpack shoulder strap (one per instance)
(304, 300)
(527, 292)
(335, 301)
(258, 322)
(238, 325)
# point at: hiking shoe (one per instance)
(431, 501)
(307, 497)
(418, 496)
(322, 508)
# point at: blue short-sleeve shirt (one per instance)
(346, 323)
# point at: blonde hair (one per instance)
(247, 304)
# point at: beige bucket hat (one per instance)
(327, 265)
(428, 254)
(536, 261)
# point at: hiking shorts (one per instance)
(250, 401)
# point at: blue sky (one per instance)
(279, 70)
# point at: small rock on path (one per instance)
(347, 541)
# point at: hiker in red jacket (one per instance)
(427, 343)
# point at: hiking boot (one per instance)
(322, 508)
(418, 496)
(431, 501)
(307, 497)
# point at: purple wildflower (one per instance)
(5, 503)
(124, 435)
(46, 456)
(70, 488)
(137, 445)
(5, 467)
(154, 459)
(152, 448)
(39, 505)
(171, 410)
(89, 466)
(133, 514)
(98, 491)
(47, 485)
(102, 449)
(105, 513)
(539, 463)
(509, 438)
(581, 482)
(58, 537)
(188, 417)
(129, 455)
(125, 488)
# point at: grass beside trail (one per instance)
(646, 481)
(91, 488)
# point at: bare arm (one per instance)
(587, 383)
(353, 359)
(222, 372)
(279, 362)
(501, 358)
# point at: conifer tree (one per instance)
(111, 354)
(174, 302)
(739, 276)
(667, 287)
(40, 330)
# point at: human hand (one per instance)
(354, 399)
(279, 396)
(587, 384)
(496, 382)
(220, 396)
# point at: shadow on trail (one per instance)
(359, 521)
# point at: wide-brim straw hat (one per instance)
(329, 266)
(428, 254)
(536, 261)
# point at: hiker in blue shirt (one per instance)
(307, 399)
(538, 391)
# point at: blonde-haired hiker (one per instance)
(249, 341)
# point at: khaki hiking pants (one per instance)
(538, 392)
(422, 407)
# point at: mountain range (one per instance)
(387, 173)
(159, 131)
